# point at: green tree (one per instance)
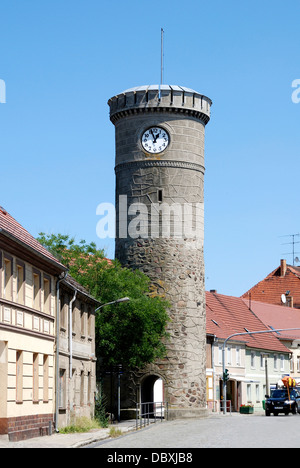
(132, 334)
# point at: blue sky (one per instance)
(62, 60)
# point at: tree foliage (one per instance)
(131, 333)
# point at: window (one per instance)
(46, 379)
(253, 359)
(257, 392)
(89, 388)
(238, 356)
(47, 294)
(282, 362)
(64, 301)
(8, 276)
(35, 392)
(82, 318)
(229, 355)
(20, 283)
(249, 393)
(275, 362)
(220, 354)
(62, 389)
(298, 363)
(19, 377)
(81, 388)
(90, 322)
(261, 361)
(292, 366)
(36, 290)
(160, 196)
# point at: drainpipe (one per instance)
(70, 333)
(57, 349)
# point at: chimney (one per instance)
(282, 267)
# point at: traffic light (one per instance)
(226, 376)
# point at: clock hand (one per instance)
(155, 137)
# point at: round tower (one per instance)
(160, 228)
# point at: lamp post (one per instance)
(118, 301)
(243, 334)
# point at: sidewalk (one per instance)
(76, 440)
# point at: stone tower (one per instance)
(160, 228)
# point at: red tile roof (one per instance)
(9, 226)
(278, 317)
(271, 288)
(226, 315)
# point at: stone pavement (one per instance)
(76, 440)
(217, 431)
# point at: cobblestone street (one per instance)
(230, 431)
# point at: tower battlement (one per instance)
(160, 99)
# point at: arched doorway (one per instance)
(152, 395)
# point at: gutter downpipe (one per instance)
(57, 350)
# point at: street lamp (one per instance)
(118, 301)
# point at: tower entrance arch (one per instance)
(152, 395)
(152, 389)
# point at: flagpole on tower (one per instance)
(161, 60)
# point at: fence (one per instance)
(151, 412)
(228, 406)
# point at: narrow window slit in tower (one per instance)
(160, 195)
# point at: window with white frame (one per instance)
(249, 399)
(257, 392)
(275, 362)
(229, 357)
(220, 355)
(282, 362)
(292, 365)
(261, 360)
(238, 356)
(253, 359)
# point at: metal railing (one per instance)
(228, 406)
(150, 412)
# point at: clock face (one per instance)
(155, 140)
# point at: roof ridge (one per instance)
(11, 227)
